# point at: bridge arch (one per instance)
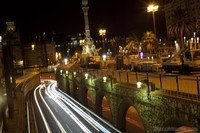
(125, 108)
(89, 100)
(98, 107)
(175, 125)
(102, 100)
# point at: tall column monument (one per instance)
(88, 47)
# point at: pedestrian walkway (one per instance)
(16, 124)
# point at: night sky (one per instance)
(119, 17)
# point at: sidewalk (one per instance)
(17, 123)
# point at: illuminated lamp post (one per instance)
(33, 47)
(102, 32)
(153, 8)
(81, 42)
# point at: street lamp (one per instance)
(33, 47)
(102, 32)
(81, 42)
(153, 8)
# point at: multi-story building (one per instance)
(43, 49)
(191, 6)
(11, 39)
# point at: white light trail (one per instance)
(40, 110)
(53, 91)
(54, 117)
(66, 109)
(81, 112)
(71, 100)
(63, 100)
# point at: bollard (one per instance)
(127, 77)
(152, 86)
(160, 81)
(198, 85)
(177, 84)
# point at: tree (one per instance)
(149, 41)
(116, 42)
(181, 25)
(197, 27)
(132, 44)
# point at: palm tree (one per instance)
(132, 44)
(116, 42)
(181, 25)
(149, 41)
(197, 27)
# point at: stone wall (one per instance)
(158, 111)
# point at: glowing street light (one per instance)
(86, 75)
(104, 79)
(153, 8)
(66, 72)
(33, 47)
(65, 61)
(81, 42)
(102, 32)
(74, 74)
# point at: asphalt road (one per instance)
(54, 112)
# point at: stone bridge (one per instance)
(158, 110)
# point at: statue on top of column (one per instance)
(88, 47)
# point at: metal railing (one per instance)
(170, 84)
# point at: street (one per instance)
(55, 112)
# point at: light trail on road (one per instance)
(67, 101)
(58, 100)
(56, 120)
(40, 110)
(54, 105)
